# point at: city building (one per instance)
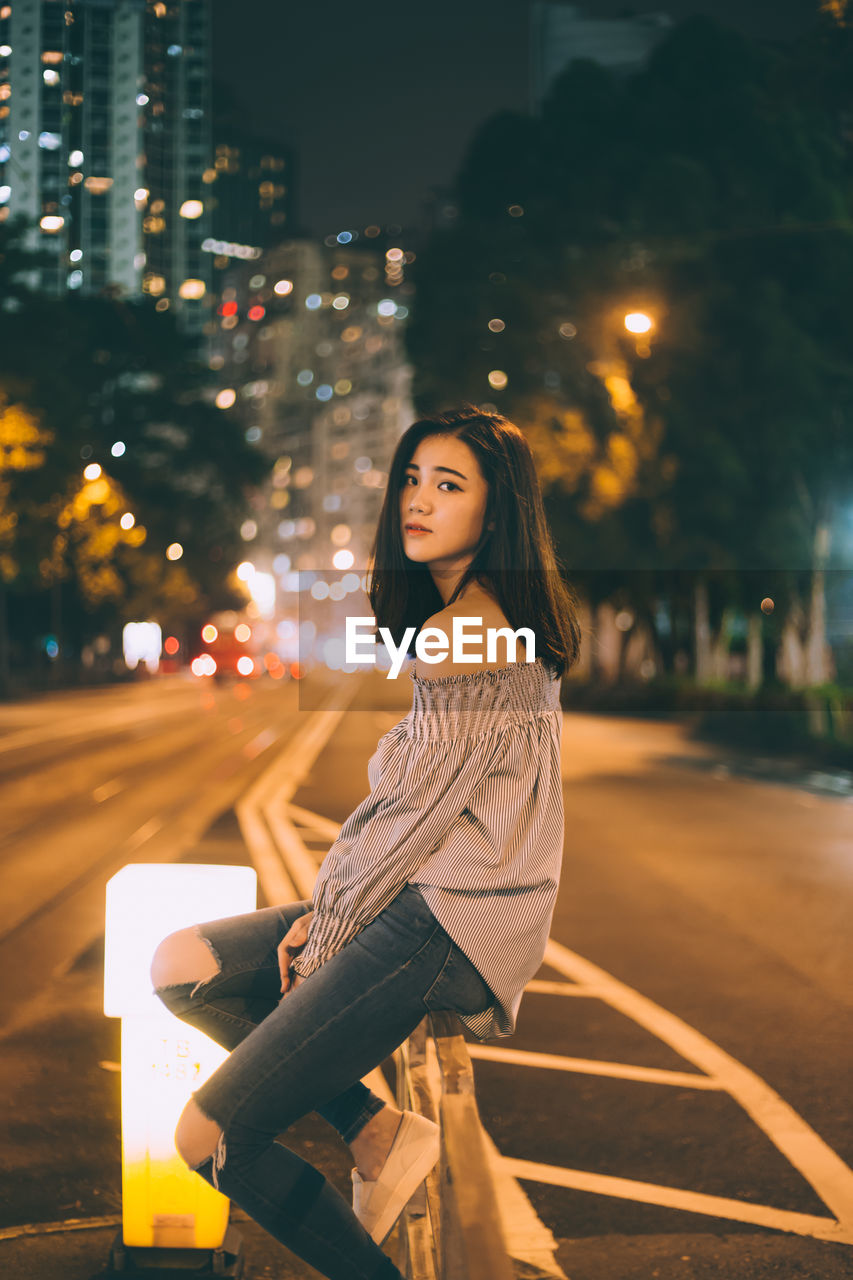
(561, 32)
(309, 350)
(251, 189)
(105, 137)
(178, 152)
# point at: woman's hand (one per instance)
(291, 944)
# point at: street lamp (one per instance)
(638, 322)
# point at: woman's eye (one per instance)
(450, 482)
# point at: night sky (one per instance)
(380, 99)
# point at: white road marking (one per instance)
(315, 822)
(825, 1171)
(276, 883)
(107, 789)
(278, 782)
(113, 720)
(592, 1067)
(298, 860)
(803, 1224)
(827, 1174)
(145, 832)
(540, 985)
(260, 743)
(50, 1228)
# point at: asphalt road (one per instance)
(676, 1100)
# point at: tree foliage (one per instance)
(112, 382)
(711, 191)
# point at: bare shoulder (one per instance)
(487, 613)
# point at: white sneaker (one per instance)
(414, 1151)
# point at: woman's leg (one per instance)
(342, 1021)
(223, 978)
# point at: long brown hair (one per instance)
(516, 558)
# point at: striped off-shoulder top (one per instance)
(466, 802)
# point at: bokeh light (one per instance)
(638, 322)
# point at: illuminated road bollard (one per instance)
(167, 1209)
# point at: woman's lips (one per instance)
(416, 533)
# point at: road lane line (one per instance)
(50, 1228)
(113, 722)
(818, 1164)
(804, 1224)
(282, 777)
(315, 822)
(296, 857)
(544, 987)
(813, 1158)
(592, 1067)
(275, 882)
(107, 789)
(260, 743)
(145, 832)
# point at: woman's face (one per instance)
(445, 491)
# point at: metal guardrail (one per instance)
(451, 1228)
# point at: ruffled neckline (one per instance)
(470, 702)
(490, 675)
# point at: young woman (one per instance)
(437, 894)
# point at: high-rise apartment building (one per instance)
(105, 138)
(560, 32)
(69, 140)
(178, 154)
(251, 189)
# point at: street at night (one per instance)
(701, 931)
(426, 640)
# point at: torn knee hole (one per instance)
(179, 962)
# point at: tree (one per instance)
(711, 191)
(115, 384)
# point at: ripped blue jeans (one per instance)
(307, 1051)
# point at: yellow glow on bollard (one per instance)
(163, 1060)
